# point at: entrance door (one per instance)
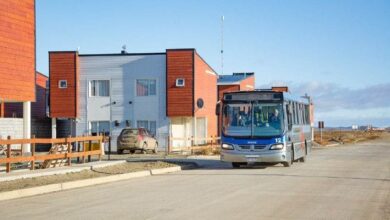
(178, 128)
(201, 131)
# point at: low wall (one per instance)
(11, 127)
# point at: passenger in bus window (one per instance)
(275, 116)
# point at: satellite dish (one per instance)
(200, 103)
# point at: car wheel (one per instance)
(155, 148)
(120, 151)
(237, 165)
(132, 151)
(303, 159)
(144, 148)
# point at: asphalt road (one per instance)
(348, 182)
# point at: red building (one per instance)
(17, 58)
(38, 108)
(235, 82)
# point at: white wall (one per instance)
(12, 127)
(122, 71)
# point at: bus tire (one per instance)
(303, 159)
(291, 161)
(237, 165)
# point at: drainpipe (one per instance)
(26, 125)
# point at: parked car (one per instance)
(133, 139)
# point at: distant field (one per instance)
(331, 137)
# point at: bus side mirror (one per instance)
(218, 109)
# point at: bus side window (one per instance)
(308, 113)
(301, 114)
(294, 112)
(289, 116)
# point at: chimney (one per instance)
(123, 51)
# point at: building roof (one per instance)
(234, 79)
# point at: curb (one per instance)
(332, 145)
(165, 170)
(54, 171)
(20, 193)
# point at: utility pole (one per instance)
(222, 19)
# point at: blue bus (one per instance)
(265, 126)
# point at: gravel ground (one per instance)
(87, 174)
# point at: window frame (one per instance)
(97, 91)
(61, 81)
(149, 80)
(148, 127)
(98, 126)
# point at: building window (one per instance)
(148, 125)
(146, 87)
(152, 127)
(98, 127)
(63, 84)
(180, 82)
(99, 88)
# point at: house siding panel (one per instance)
(17, 46)
(38, 108)
(227, 88)
(247, 84)
(180, 100)
(63, 102)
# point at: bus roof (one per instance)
(287, 96)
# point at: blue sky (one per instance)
(319, 47)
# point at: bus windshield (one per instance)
(253, 119)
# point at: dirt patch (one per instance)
(87, 174)
(346, 137)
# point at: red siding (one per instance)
(227, 88)
(38, 108)
(247, 84)
(180, 100)
(17, 46)
(63, 102)
(206, 89)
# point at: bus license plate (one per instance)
(252, 158)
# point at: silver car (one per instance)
(133, 139)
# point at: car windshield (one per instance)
(130, 132)
(252, 119)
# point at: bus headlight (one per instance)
(277, 147)
(227, 147)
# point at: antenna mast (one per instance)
(222, 19)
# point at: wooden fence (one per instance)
(84, 148)
(194, 143)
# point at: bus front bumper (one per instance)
(249, 157)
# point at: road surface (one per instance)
(347, 182)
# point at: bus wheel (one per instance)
(291, 161)
(237, 165)
(303, 159)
